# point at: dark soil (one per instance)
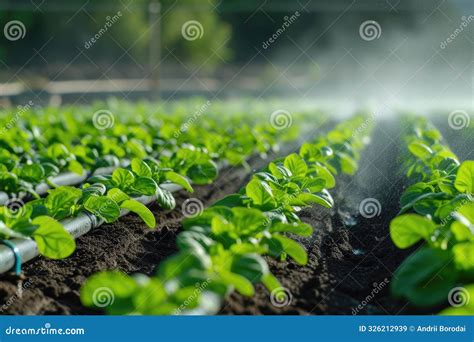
(52, 286)
(351, 257)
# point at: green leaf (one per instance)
(465, 177)
(260, 193)
(122, 178)
(145, 186)
(96, 189)
(60, 202)
(110, 290)
(117, 195)
(57, 151)
(323, 200)
(420, 150)
(464, 255)
(347, 163)
(76, 167)
(165, 199)
(52, 239)
(293, 249)
(178, 179)
(315, 184)
(406, 230)
(141, 210)
(296, 165)
(33, 173)
(324, 173)
(279, 171)
(413, 192)
(150, 299)
(241, 284)
(202, 173)
(463, 227)
(270, 282)
(425, 277)
(140, 168)
(248, 221)
(103, 207)
(251, 266)
(230, 201)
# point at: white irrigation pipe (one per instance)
(27, 249)
(68, 178)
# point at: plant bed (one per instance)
(351, 257)
(52, 286)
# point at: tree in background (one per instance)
(66, 28)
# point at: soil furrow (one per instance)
(351, 256)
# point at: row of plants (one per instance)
(190, 157)
(40, 143)
(223, 248)
(437, 217)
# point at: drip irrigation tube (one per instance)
(68, 178)
(27, 249)
(77, 226)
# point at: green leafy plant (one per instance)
(437, 209)
(222, 249)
